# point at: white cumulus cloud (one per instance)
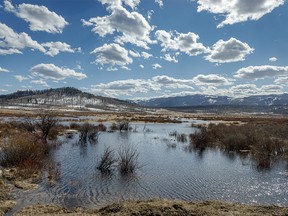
(273, 59)
(12, 42)
(54, 48)
(51, 71)
(160, 3)
(156, 66)
(40, 18)
(211, 79)
(112, 54)
(231, 50)
(146, 55)
(124, 87)
(186, 43)
(131, 3)
(21, 78)
(173, 83)
(244, 90)
(134, 27)
(40, 82)
(170, 58)
(261, 72)
(282, 80)
(133, 86)
(236, 11)
(4, 70)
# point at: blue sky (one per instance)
(141, 49)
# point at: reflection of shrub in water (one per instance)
(54, 173)
(173, 133)
(182, 137)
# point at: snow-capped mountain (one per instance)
(206, 100)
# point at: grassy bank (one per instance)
(160, 207)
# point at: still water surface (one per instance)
(165, 172)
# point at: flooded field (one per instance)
(168, 169)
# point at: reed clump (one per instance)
(128, 159)
(107, 160)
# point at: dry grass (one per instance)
(160, 207)
(22, 150)
(128, 159)
(107, 160)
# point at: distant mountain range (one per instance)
(66, 97)
(205, 100)
(191, 103)
(74, 98)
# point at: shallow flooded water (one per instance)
(168, 169)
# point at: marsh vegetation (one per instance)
(265, 143)
(95, 163)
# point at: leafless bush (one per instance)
(114, 127)
(262, 140)
(93, 135)
(101, 127)
(128, 159)
(23, 149)
(42, 126)
(107, 160)
(75, 126)
(46, 122)
(123, 125)
(88, 132)
(200, 139)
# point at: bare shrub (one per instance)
(75, 126)
(123, 125)
(114, 127)
(101, 127)
(264, 141)
(42, 126)
(93, 135)
(128, 159)
(107, 160)
(235, 142)
(46, 122)
(88, 132)
(22, 150)
(200, 139)
(84, 129)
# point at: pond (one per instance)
(168, 169)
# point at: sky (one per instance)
(141, 49)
